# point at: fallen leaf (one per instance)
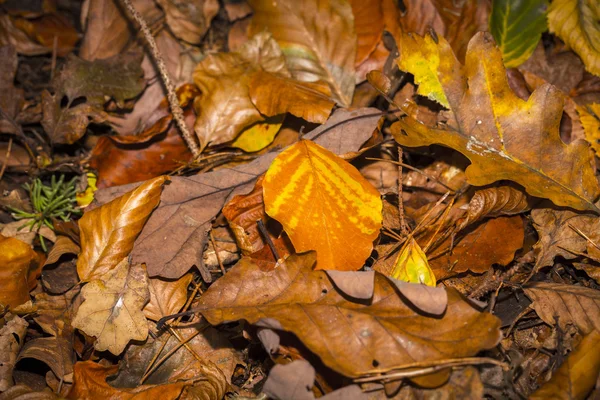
(412, 265)
(575, 23)
(166, 296)
(430, 299)
(20, 391)
(12, 337)
(112, 308)
(63, 245)
(11, 98)
(380, 81)
(324, 204)
(48, 28)
(369, 29)
(464, 384)
(357, 284)
(259, 135)
(189, 204)
(189, 20)
(317, 39)
(350, 337)
(501, 134)
(18, 263)
(225, 107)
(590, 119)
(54, 312)
(236, 9)
(10, 35)
(570, 304)
(108, 232)
(291, 381)
(55, 352)
(517, 28)
(106, 29)
(494, 202)
(577, 375)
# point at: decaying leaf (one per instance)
(106, 29)
(493, 202)
(56, 352)
(412, 265)
(112, 307)
(12, 336)
(350, 337)
(108, 232)
(166, 296)
(501, 134)
(517, 27)
(11, 98)
(324, 204)
(317, 39)
(576, 22)
(188, 205)
(566, 304)
(590, 119)
(18, 263)
(577, 375)
(189, 20)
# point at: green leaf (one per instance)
(517, 26)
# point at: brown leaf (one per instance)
(317, 38)
(572, 304)
(350, 337)
(10, 35)
(17, 263)
(90, 384)
(493, 202)
(577, 375)
(189, 204)
(48, 28)
(11, 98)
(367, 23)
(357, 284)
(55, 352)
(63, 245)
(166, 296)
(12, 337)
(432, 300)
(112, 308)
(54, 312)
(291, 381)
(106, 29)
(189, 20)
(225, 107)
(273, 95)
(108, 232)
(20, 392)
(464, 384)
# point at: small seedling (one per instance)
(54, 201)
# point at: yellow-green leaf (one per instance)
(87, 196)
(576, 23)
(412, 265)
(324, 204)
(258, 136)
(517, 27)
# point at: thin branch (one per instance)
(171, 95)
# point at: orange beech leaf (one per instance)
(166, 296)
(108, 232)
(17, 263)
(350, 336)
(324, 204)
(502, 135)
(368, 15)
(112, 308)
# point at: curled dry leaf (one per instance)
(501, 134)
(112, 307)
(12, 337)
(379, 81)
(577, 375)
(324, 204)
(350, 337)
(166, 296)
(108, 232)
(317, 39)
(11, 98)
(576, 305)
(63, 245)
(189, 204)
(18, 266)
(189, 20)
(493, 202)
(55, 352)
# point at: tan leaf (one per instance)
(189, 20)
(12, 337)
(571, 304)
(166, 296)
(577, 375)
(590, 119)
(108, 232)
(56, 352)
(106, 29)
(112, 308)
(349, 337)
(63, 245)
(501, 134)
(324, 204)
(317, 38)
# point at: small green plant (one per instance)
(54, 201)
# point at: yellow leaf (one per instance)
(108, 232)
(590, 119)
(86, 197)
(259, 135)
(112, 307)
(412, 265)
(576, 23)
(16, 260)
(324, 204)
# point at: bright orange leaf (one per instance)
(324, 204)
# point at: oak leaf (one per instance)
(112, 307)
(501, 134)
(189, 204)
(317, 39)
(349, 337)
(108, 232)
(324, 204)
(576, 22)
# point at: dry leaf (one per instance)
(63, 245)
(55, 352)
(575, 22)
(577, 375)
(464, 384)
(324, 204)
(18, 264)
(11, 98)
(106, 29)
(54, 312)
(493, 202)
(189, 204)
(12, 337)
(108, 232)
(357, 284)
(369, 29)
(189, 20)
(570, 304)
(48, 28)
(590, 119)
(166, 296)
(501, 134)
(350, 337)
(430, 299)
(11, 36)
(317, 39)
(112, 308)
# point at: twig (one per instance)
(403, 227)
(212, 240)
(5, 163)
(263, 231)
(171, 96)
